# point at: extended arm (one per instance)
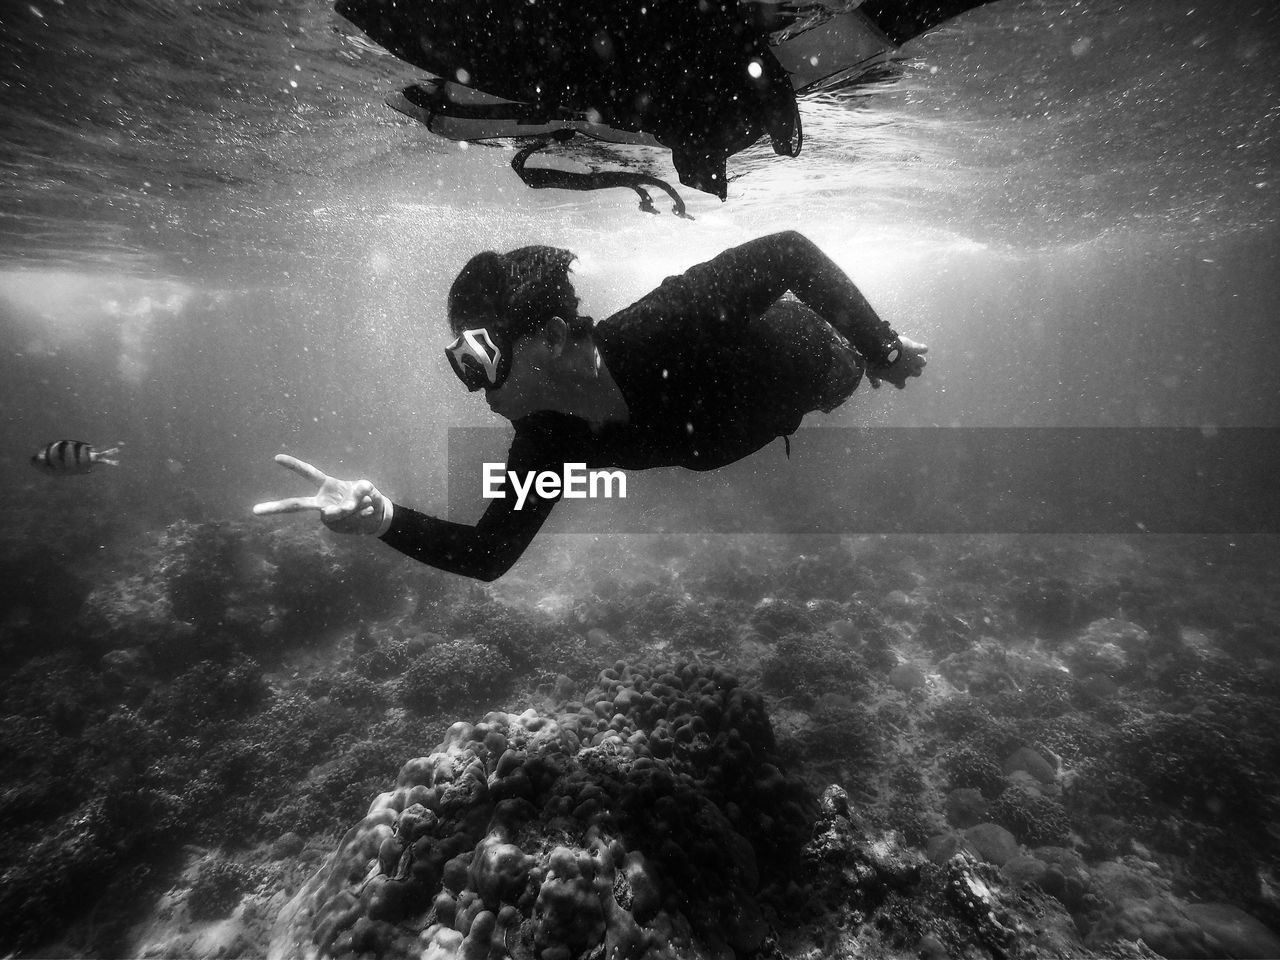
(484, 551)
(487, 550)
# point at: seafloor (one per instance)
(227, 740)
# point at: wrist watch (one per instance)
(892, 353)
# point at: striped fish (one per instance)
(64, 457)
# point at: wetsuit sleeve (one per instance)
(746, 280)
(484, 551)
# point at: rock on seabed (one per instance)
(649, 819)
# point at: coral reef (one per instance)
(852, 868)
(193, 590)
(966, 807)
(1109, 647)
(316, 582)
(1199, 763)
(966, 767)
(1034, 820)
(1160, 923)
(773, 618)
(453, 673)
(648, 816)
(846, 733)
(807, 665)
(217, 888)
(524, 639)
(1013, 740)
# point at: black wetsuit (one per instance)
(712, 365)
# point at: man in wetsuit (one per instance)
(704, 370)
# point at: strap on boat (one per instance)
(541, 178)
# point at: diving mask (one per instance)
(480, 358)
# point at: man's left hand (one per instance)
(910, 363)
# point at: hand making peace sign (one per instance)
(346, 506)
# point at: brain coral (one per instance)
(635, 824)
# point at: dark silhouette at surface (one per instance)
(704, 80)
